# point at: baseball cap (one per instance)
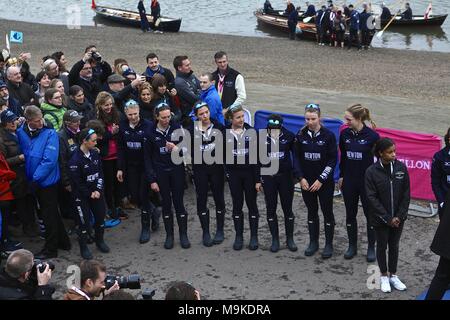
(72, 116)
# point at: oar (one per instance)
(380, 34)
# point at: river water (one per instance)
(227, 17)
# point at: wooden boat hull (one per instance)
(132, 18)
(436, 20)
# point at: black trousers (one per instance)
(66, 203)
(26, 209)
(242, 182)
(205, 177)
(325, 197)
(113, 193)
(352, 192)
(283, 185)
(55, 232)
(354, 37)
(365, 37)
(86, 206)
(139, 187)
(4, 208)
(387, 236)
(441, 280)
(171, 187)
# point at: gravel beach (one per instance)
(403, 89)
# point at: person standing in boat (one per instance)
(156, 14)
(407, 14)
(145, 25)
(310, 10)
(385, 13)
(268, 7)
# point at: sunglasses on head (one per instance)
(312, 106)
(130, 103)
(200, 105)
(162, 105)
(89, 134)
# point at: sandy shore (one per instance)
(404, 89)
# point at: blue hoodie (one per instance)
(41, 155)
(212, 98)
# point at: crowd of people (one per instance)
(78, 151)
(333, 21)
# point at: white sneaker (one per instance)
(397, 284)
(385, 286)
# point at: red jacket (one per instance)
(6, 175)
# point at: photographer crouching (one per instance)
(25, 278)
(92, 282)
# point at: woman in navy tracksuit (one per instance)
(317, 154)
(86, 174)
(207, 172)
(166, 176)
(280, 151)
(440, 173)
(243, 173)
(133, 133)
(388, 194)
(356, 144)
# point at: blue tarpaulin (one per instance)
(294, 123)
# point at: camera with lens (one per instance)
(96, 57)
(148, 294)
(132, 281)
(40, 266)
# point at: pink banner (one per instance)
(416, 151)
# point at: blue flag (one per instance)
(16, 36)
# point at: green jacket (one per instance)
(53, 115)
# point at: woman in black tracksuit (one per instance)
(440, 173)
(206, 171)
(86, 175)
(280, 144)
(166, 176)
(243, 173)
(388, 194)
(133, 133)
(356, 144)
(317, 155)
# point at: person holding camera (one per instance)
(86, 175)
(92, 282)
(122, 93)
(23, 278)
(90, 73)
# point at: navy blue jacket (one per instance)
(319, 15)
(407, 14)
(311, 11)
(317, 155)
(440, 174)
(208, 141)
(293, 18)
(241, 150)
(354, 20)
(356, 153)
(363, 18)
(130, 143)
(286, 152)
(157, 157)
(86, 173)
(386, 14)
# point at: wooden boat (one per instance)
(132, 18)
(436, 20)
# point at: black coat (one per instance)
(12, 289)
(441, 241)
(381, 187)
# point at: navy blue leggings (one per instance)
(206, 176)
(171, 187)
(325, 197)
(352, 192)
(139, 187)
(283, 185)
(242, 182)
(86, 206)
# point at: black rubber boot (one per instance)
(168, 225)
(371, 239)
(156, 214)
(273, 227)
(289, 225)
(84, 250)
(352, 232)
(204, 222)
(182, 227)
(101, 245)
(313, 228)
(220, 236)
(254, 222)
(329, 234)
(145, 231)
(239, 229)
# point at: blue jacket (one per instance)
(356, 153)
(86, 173)
(41, 155)
(319, 15)
(293, 18)
(157, 157)
(440, 174)
(317, 155)
(354, 20)
(363, 18)
(311, 11)
(130, 143)
(14, 106)
(212, 98)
